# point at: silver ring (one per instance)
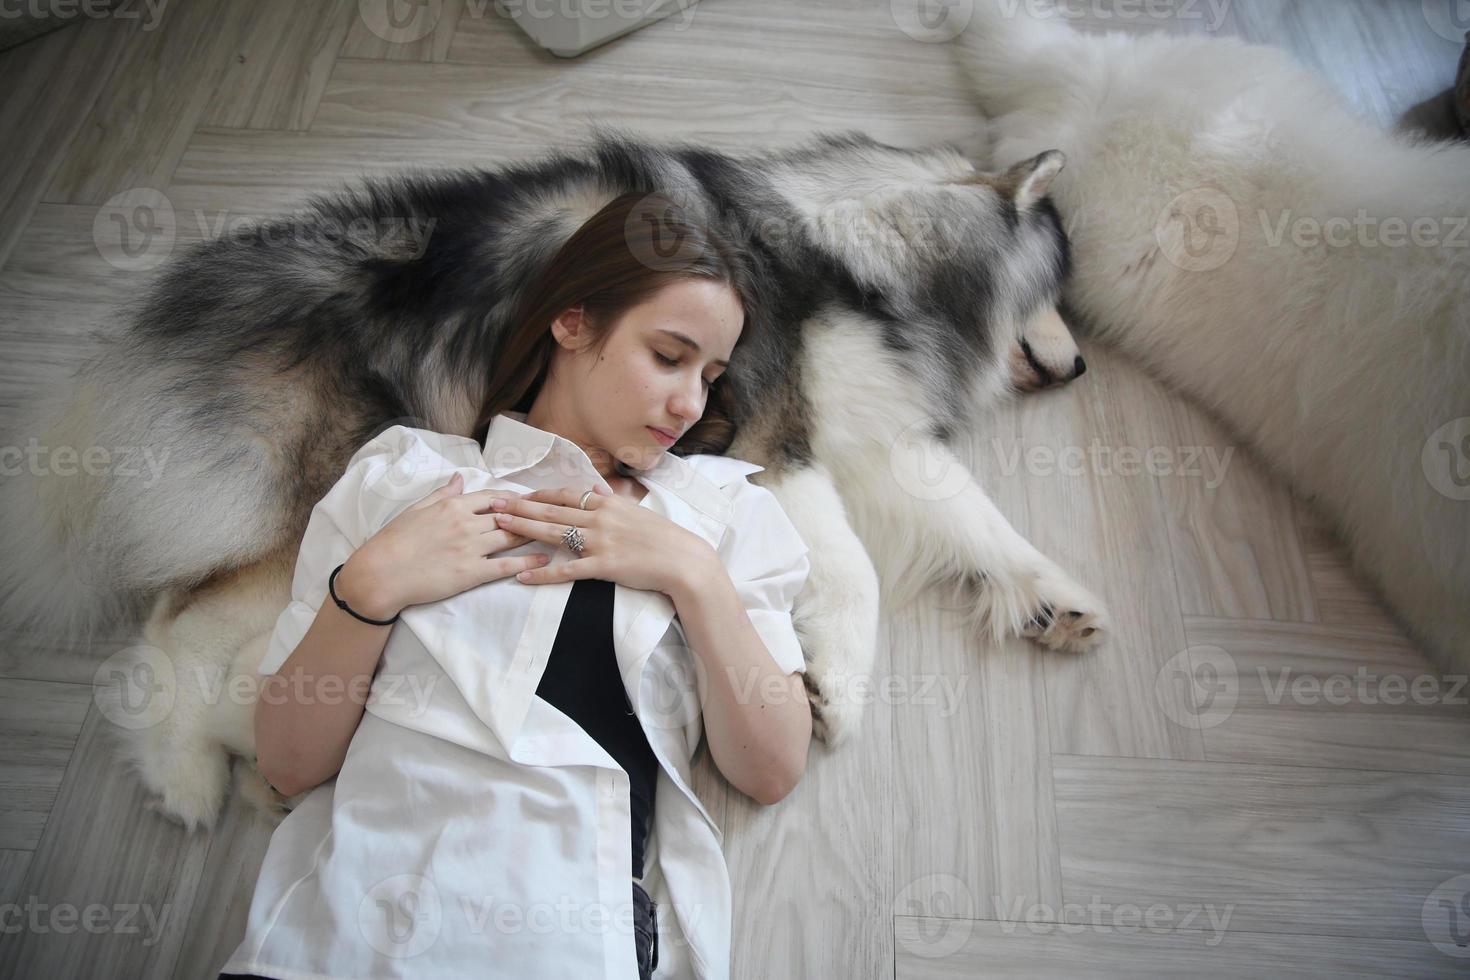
(583, 502)
(572, 537)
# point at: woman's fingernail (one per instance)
(523, 575)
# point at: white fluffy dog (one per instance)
(1302, 274)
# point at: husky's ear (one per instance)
(1028, 182)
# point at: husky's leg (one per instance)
(946, 531)
(183, 699)
(836, 614)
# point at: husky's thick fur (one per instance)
(903, 293)
(1302, 274)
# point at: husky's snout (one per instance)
(1045, 355)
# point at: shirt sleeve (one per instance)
(334, 531)
(767, 560)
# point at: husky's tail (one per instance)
(55, 584)
(112, 487)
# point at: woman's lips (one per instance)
(662, 436)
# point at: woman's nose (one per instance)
(688, 403)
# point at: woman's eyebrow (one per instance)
(690, 342)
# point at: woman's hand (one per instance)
(438, 547)
(623, 542)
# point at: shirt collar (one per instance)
(549, 460)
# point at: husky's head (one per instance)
(1042, 352)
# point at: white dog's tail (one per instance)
(1016, 54)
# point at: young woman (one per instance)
(490, 687)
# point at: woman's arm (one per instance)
(438, 547)
(734, 602)
(756, 716)
(310, 708)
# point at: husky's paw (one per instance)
(190, 792)
(260, 794)
(1069, 619)
(833, 720)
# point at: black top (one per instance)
(582, 680)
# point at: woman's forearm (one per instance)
(756, 716)
(310, 708)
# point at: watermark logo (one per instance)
(35, 917)
(1111, 13)
(401, 916)
(1450, 19)
(670, 686)
(1446, 917)
(1205, 463)
(136, 687)
(135, 230)
(1363, 230)
(932, 21)
(120, 462)
(944, 905)
(1198, 687)
(418, 462)
(400, 21)
(1199, 230)
(563, 916)
(929, 225)
(1446, 459)
(149, 12)
(662, 233)
(1110, 918)
(1363, 686)
(923, 467)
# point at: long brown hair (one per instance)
(636, 245)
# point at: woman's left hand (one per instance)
(623, 542)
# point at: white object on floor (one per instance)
(567, 28)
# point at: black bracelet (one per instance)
(332, 588)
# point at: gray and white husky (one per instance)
(905, 291)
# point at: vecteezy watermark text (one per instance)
(121, 918)
(1190, 462)
(121, 461)
(1096, 915)
(149, 12)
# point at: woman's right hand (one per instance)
(438, 547)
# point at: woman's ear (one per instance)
(568, 329)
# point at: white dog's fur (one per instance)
(1336, 362)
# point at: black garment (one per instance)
(645, 931)
(582, 680)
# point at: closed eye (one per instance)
(673, 363)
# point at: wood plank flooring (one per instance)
(1259, 776)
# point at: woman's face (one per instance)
(645, 377)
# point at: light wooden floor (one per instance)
(1161, 808)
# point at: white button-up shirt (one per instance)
(474, 830)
